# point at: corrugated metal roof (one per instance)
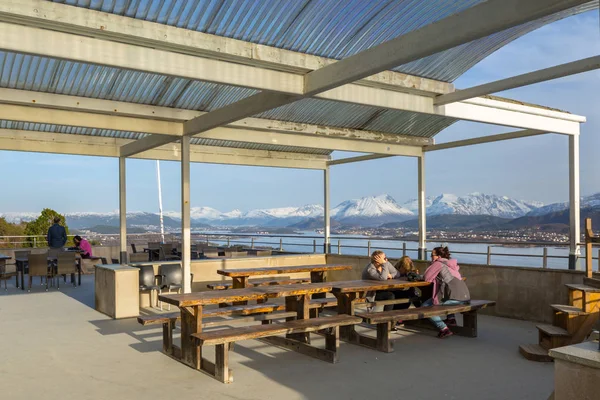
(257, 146)
(328, 28)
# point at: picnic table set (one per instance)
(288, 323)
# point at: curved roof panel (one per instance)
(328, 28)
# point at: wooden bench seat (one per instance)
(260, 282)
(222, 338)
(384, 320)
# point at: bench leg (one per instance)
(222, 363)
(469, 327)
(332, 342)
(383, 337)
(168, 336)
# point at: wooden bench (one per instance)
(385, 320)
(259, 282)
(329, 326)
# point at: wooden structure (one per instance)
(574, 322)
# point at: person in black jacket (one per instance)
(57, 235)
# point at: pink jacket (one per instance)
(85, 247)
(434, 269)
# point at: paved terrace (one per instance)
(56, 346)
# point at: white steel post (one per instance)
(574, 218)
(326, 230)
(186, 257)
(422, 209)
(122, 210)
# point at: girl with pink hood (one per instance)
(448, 287)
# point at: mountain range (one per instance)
(371, 211)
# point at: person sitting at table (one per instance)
(381, 269)
(84, 246)
(406, 268)
(57, 235)
(448, 287)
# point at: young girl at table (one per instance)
(406, 269)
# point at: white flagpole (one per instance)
(160, 207)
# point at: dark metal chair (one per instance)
(38, 266)
(171, 278)
(66, 264)
(148, 280)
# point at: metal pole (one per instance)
(339, 246)
(574, 216)
(369, 248)
(422, 253)
(280, 244)
(160, 207)
(227, 242)
(186, 256)
(251, 243)
(403, 249)
(326, 216)
(34, 242)
(123, 210)
(314, 245)
(545, 258)
(489, 255)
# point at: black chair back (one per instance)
(172, 275)
(146, 276)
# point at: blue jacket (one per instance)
(57, 236)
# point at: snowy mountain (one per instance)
(481, 204)
(370, 211)
(592, 201)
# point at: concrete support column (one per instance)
(186, 256)
(122, 210)
(422, 209)
(327, 219)
(574, 199)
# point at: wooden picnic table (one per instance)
(297, 299)
(351, 293)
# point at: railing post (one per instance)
(545, 258)
(280, 244)
(403, 249)
(339, 246)
(314, 245)
(598, 260)
(252, 243)
(489, 255)
(228, 242)
(34, 242)
(207, 240)
(369, 248)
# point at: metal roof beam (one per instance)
(485, 139)
(91, 23)
(349, 160)
(61, 143)
(559, 71)
(474, 23)
(88, 105)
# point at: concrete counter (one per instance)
(576, 371)
(117, 290)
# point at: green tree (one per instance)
(10, 229)
(40, 226)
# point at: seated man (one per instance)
(381, 269)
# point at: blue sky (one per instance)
(533, 168)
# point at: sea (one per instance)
(520, 255)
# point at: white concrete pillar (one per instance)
(422, 209)
(574, 199)
(186, 256)
(122, 210)
(327, 219)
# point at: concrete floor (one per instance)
(53, 345)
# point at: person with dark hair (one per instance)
(84, 246)
(57, 235)
(448, 287)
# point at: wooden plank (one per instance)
(282, 270)
(295, 289)
(373, 285)
(303, 348)
(568, 309)
(423, 312)
(535, 352)
(383, 337)
(259, 331)
(583, 288)
(222, 363)
(552, 330)
(211, 297)
(249, 318)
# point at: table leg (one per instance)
(23, 276)
(79, 272)
(346, 306)
(315, 277)
(299, 304)
(191, 322)
(240, 283)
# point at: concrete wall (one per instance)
(519, 292)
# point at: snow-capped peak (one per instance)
(372, 206)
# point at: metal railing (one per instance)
(308, 243)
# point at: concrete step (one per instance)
(582, 288)
(552, 330)
(535, 352)
(568, 309)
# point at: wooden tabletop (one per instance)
(234, 273)
(3, 257)
(253, 293)
(373, 285)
